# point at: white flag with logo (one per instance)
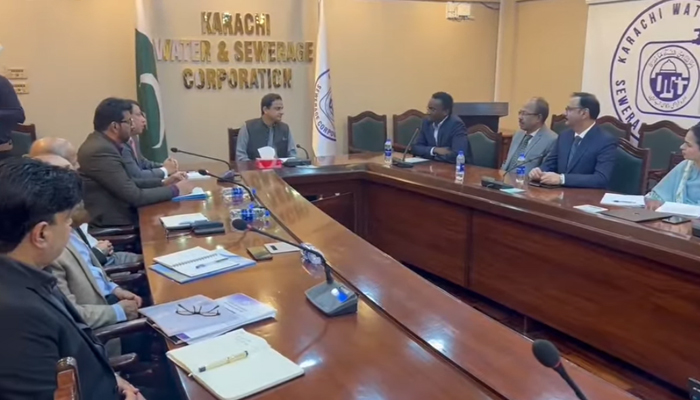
(324, 137)
(641, 60)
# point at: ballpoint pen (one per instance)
(222, 362)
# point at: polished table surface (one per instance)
(409, 340)
(631, 290)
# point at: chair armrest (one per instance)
(130, 268)
(121, 329)
(120, 240)
(113, 231)
(129, 279)
(124, 362)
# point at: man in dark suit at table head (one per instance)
(442, 135)
(111, 195)
(534, 139)
(584, 156)
(268, 130)
(40, 326)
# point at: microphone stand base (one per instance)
(228, 177)
(401, 164)
(333, 299)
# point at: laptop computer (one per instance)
(636, 214)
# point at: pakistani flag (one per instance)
(152, 141)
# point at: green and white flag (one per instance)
(152, 141)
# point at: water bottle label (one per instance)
(460, 168)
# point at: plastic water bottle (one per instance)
(459, 167)
(520, 170)
(387, 152)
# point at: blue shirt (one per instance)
(106, 286)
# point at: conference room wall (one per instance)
(550, 37)
(385, 56)
(75, 53)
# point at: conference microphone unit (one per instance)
(230, 174)
(204, 172)
(295, 162)
(332, 298)
(402, 163)
(548, 355)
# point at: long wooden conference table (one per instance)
(627, 289)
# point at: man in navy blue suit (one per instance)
(442, 135)
(584, 156)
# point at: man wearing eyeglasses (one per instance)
(111, 195)
(534, 140)
(584, 156)
(137, 165)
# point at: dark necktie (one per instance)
(520, 150)
(574, 148)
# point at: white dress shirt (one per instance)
(436, 129)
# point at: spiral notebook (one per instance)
(198, 261)
(259, 368)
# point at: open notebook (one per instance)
(261, 369)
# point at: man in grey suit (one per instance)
(111, 195)
(534, 139)
(139, 167)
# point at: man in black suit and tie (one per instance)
(40, 326)
(584, 156)
(442, 135)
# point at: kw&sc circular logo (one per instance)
(654, 73)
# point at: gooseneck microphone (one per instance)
(305, 152)
(204, 172)
(241, 225)
(176, 150)
(403, 163)
(298, 162)
(331, 297)
(548, 355)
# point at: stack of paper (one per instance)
(235, 365)
(622, 200)
(180, 322)
(686, 210)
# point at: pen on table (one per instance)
(222, 362)
(623, 202)
(215, 262)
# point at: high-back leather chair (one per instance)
(22, 138)
(366, 132)
(614, 127)
(662, 138)
(232, 142)
(405, 125)
(485, 146)
(558, 124)
(631, 171)
(68, 384)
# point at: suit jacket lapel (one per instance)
(84, 267)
